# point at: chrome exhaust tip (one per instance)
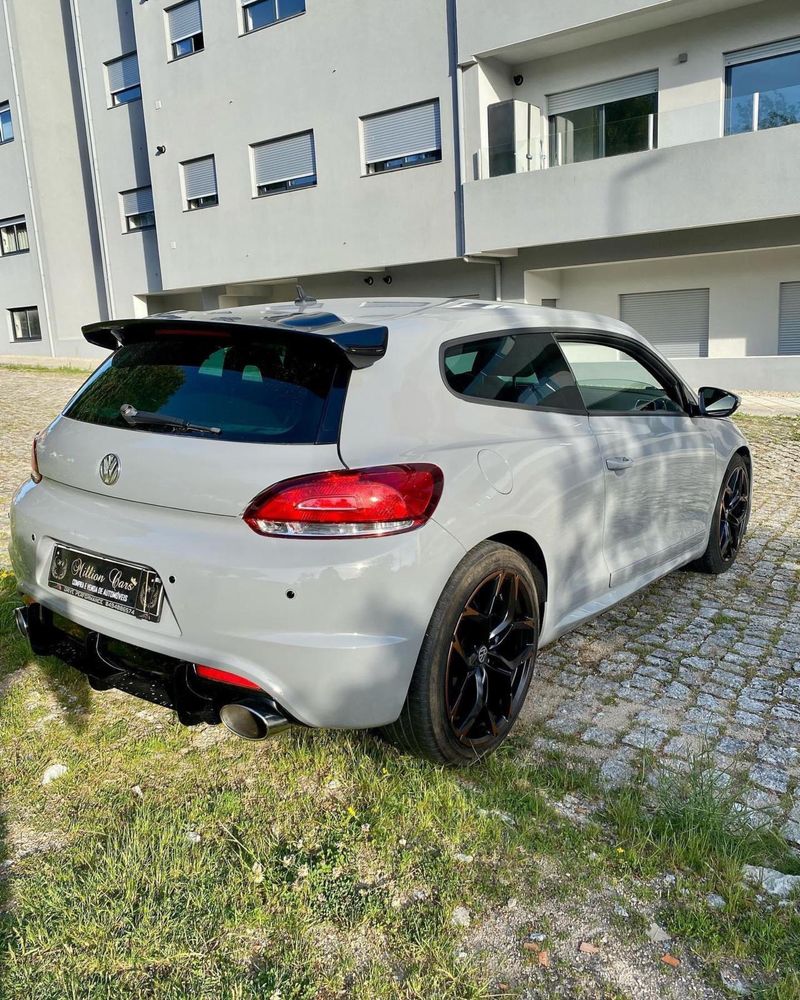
(253, 720)
(21, 621)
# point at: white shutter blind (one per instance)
(185, 20)
(789, 330)
(123, 73)
(199, 178)
(284, 159)
(674, 322)
(137, 202)
(402, 133)
(603, 93)
(781, 48)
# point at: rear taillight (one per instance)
(36, 476)
(224, 677)
(351, 502)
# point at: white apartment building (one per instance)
(636, 159)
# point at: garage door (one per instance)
(789, 331)
(675, 322)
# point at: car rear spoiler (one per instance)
(361, 345)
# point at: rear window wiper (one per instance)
(141, 418)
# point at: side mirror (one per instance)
(717, 402)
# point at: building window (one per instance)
(13, 237)
(284, 164)
(406, 137)
(185, 26)
(607, 119)
(676, 322)
(199, 183)
(261, 13)
(762, 87)
(6, 125)
(123, 80)
(789, 331)
(137, 209)
(25, 324)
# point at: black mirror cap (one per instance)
(713, 402)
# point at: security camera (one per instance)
(519, 79)
(369, 280)
(388, 279)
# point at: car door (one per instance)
(658, 461)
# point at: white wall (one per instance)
(320, 70)
(744, 292)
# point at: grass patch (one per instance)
(173, 863)
(50, 370)
(693, 825)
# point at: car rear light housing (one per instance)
(224, 677)
(348, 503)
(36, 475)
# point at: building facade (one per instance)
(636, 159)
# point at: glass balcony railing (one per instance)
(562, 144)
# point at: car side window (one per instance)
(519, 369)
(611, 380)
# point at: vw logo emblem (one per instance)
(109, 469)
(483, 655)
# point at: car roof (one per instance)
(437, 319)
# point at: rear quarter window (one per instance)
(520, 369)
(259, 387)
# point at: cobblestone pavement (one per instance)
(691, 665)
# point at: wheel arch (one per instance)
(527, 546)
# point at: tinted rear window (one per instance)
(520, 369)
(262, 388)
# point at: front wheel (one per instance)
(476, 661)
(730, 519)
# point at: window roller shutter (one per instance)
(138, 202)
(123, 73)
(402, 132)
(782, 48)
(676, 322)
(603, 93)
(284, 159)
(199, 178)
(185, 20)
(789, 330)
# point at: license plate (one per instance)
(134, 590)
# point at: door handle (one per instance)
(619, 464)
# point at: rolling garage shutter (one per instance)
(674, 322)
(603, 93)
(789, 330)
(403, 132)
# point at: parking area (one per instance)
(692, 665)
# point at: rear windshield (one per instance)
(261, 388)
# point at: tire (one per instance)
(729, 523)
(474, 652)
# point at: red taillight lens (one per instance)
(36, 476)
(351, 502)
(224, 677)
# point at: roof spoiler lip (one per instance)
(362, 345)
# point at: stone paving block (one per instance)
(645, 738)
(772, 778)
(600, 737)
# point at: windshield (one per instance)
(262, 387)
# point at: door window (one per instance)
(611, 380)
(520, 369)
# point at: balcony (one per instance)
(562, 189)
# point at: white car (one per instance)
(367, 514)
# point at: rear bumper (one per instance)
(339, 653)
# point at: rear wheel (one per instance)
(730, 519)
(476, 661)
